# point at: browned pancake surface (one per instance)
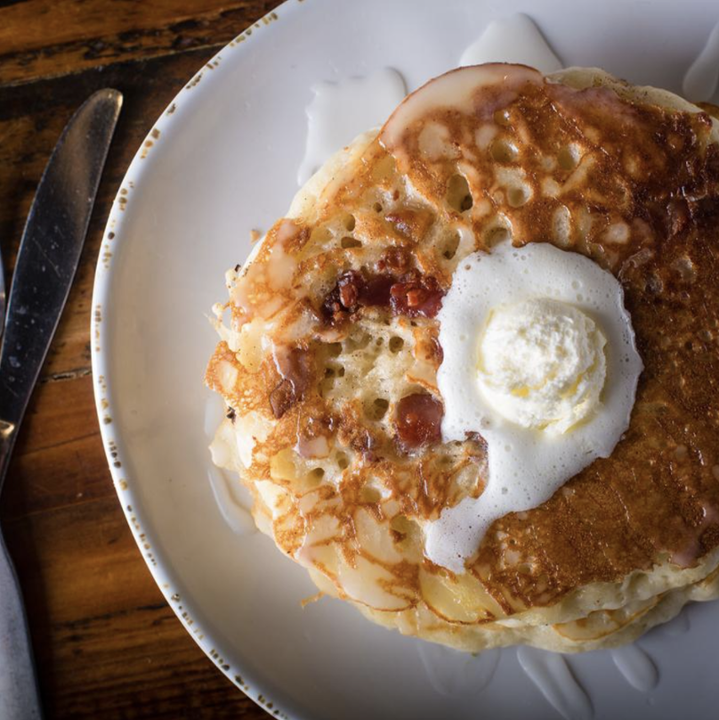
(507, 154)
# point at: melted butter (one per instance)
(341, 111)
(515, 39)
(700, 81)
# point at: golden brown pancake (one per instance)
(329, 365)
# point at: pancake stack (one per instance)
(329, 363)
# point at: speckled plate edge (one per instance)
(161, 569)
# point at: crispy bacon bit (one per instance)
(342, 299)
(394, 259)
(415, 295)
(354, 291)
(418, 421)
(412, 294)
(295, 365)
(376, 291)
(349, 286)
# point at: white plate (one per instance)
(225, 161)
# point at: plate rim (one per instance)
(252, 685)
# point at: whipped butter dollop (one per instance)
(540, 360)
(541, 364)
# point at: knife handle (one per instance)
(19, 694)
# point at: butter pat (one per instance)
(540, 361)
(541, 364)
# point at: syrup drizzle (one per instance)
(552, 675)
(340, 111)
(515, 39)
(700, 80)
(636, 666)
(225, 489)
(234, 512)
(678, 625)
(453, 673)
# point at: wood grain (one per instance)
(107, 644)
(44, 38)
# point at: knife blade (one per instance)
(2, 297)
(46, 264)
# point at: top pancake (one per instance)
(330, 364)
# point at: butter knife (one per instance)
(46, 264)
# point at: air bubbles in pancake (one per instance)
(503, 151)
(315, 476)
(458, 196)
(518, 196)
(370, 494)
(501, 117)
(568, 157)
(451, 245)
(496, 236)
(377, 408)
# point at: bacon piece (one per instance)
(353, 291)
(341, 301)
(376, 291)
(418, 420)
(350, 285)
(412, 295)
(415, 295)
(295, 366)
(394, 259)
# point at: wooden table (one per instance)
(107, 645)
